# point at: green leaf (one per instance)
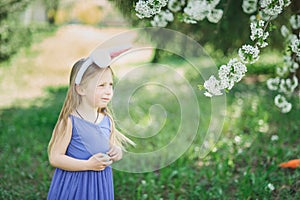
(201, 87)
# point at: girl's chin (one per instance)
(102, 105)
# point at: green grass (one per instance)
(24, 169)
(241, 166)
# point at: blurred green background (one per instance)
(40, 41)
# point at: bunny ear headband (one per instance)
(102, 58)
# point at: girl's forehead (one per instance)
(104, 76)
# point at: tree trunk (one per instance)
(52, 7)
(156, 56)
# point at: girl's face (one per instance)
(99, 90)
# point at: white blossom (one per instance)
(249, 6)
(263, 127)
(269, 8)
(288, 85)
(281, 102)
(294, 67)
(237, 139)
(208, 94)
(226, 83)
(213, 3)
(286, 108)
(290, 64)
(273, 7)
(233, 72)
(148, 8)
(239, 69)
(257, 29)
(295, 46)
(287, 60)
(252, 18)
(274, 137)
(261, 23)
(198, 10)
(143, 10)
(224, 73)
(273, 83)
(292, 37)
(271, 186)
(212, 86)
(214, 15)
(249, 54)
(189, 20)
(258, 33)
(281, 71)
(162, 19)
(295, 21)
(284, 31)
(175, 5)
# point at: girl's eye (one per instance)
(102, 85)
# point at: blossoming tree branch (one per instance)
(261, 13)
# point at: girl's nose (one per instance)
(108, 90)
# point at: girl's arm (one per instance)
(59, 159)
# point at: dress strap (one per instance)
(72, 119)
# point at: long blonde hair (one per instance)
(73, 100)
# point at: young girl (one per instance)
(85, 142)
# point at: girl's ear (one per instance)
(79, 90)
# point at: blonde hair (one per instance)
(73, 100)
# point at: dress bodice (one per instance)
(88, 138)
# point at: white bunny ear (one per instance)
(82, 69)
(102, 58)
(116, 51)
(99, 56)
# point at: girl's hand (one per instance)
(98, 162)
(115, 153)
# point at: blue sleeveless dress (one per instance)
(87, 139)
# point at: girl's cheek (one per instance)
(98, 92)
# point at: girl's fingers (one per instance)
(110, 151)
(108, 163)
(99, 154)
(106, 159)
(114, 150)
(114, 157)
(113, 153)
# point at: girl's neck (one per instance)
(86, 112)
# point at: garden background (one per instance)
(41, 40)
